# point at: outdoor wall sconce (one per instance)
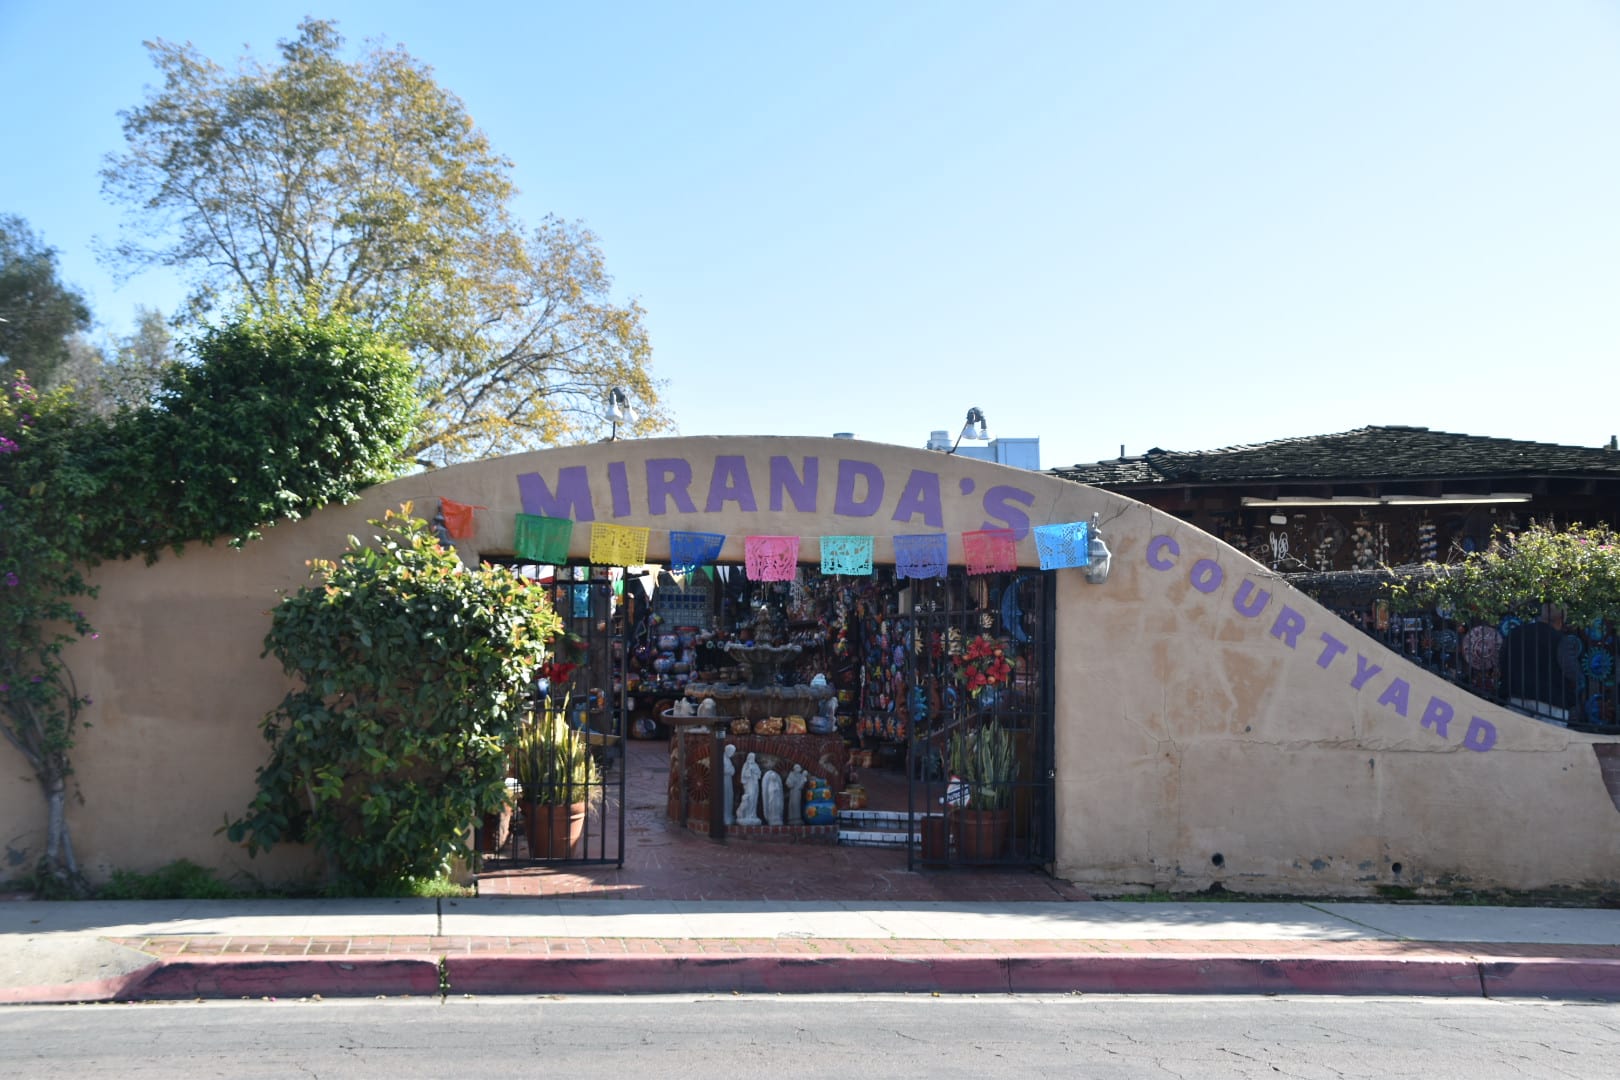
(975, 430)
(618, 410)
(1100, 559)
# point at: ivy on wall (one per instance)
(275, 416)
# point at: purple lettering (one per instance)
(921, 496)
(729, 482)
(1397, 695)
(996, 502)
(619, 485)
(1206, 575)
(668, 478)
(572, 500)
(844, 502)
(1244, 606)
(1158, 544)
(1330, 650)
(1481, 735)
(1437, 714)
(800, 487)
(1288, 626)
(1364, 671)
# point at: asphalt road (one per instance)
(832, 1037)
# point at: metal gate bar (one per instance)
(1011, 612)
(596, 708)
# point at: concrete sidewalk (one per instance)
(107, 951)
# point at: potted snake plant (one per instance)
(559, 781)
(985, 760)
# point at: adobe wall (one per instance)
(1185, 727)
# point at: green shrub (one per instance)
(415, 671)
(1577, 569)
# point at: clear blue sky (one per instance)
(1186, 225)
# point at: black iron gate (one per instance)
(981, 756)
(585, 684)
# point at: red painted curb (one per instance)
(217, 977)
(1193, 974)
(111, 989)
(1551, 977)
(1205, 974)
(229, 977)
(724, 974)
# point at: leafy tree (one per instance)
(415, 672)
(279, 414)
(40, 314)
(368, 186)
(140, 363)
(125, 372)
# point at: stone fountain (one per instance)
(760, 695)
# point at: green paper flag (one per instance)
(543, 539)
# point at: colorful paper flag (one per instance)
(921, 555)
(690, 550)
(771, 558)
(543, 539)
(458, 518)
(846, 555)
(618, 545)
(990, 551)
(1064, 545)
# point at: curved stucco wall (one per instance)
(1184, 727)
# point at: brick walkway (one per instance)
(662, 861)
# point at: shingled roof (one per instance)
(1369, 453)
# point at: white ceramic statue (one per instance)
(748, 808)
(796, 780)
(729, 789)
(770, 796)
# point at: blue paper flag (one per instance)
(1065, 545)
(689, 550)
(921, 555)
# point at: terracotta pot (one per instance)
(936, 840)
(981, 835)
(495, 830)
(555, 831)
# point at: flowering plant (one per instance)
(983, 664)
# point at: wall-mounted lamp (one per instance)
(975, 430)
(618, 410)
(1099, 559)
